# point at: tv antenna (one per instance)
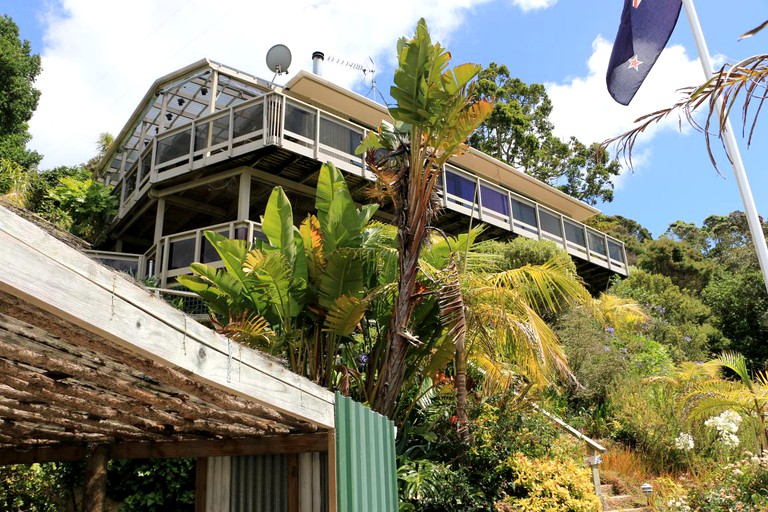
(369, 68)
(278, 60)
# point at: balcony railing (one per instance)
(491, 204)
(173, 255)
(275, 119)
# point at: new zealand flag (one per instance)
(643, 33)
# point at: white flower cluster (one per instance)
(727, 424)
(678, 505)
(684, 442)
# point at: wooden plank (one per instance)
(270, 445)
(95, 483)
(201, 478)
(60, 280)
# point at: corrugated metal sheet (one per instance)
(259, 483)
(366, 473)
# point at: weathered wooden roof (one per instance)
(88, 357)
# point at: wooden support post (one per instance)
(159, 220)
(293, 482)
(594, 460)
(95, 483)
(201, 479)
(244, 196)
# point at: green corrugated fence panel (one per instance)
(366, 474)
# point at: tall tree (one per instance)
(435, 113)
(519, 132)
(18, 97)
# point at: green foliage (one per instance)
(556, 483)
(18, 97)
(152, 485)
(627, 230)
(742, 485)
(522, 251)
(649, 420)
(680, 321)
(35, 487)
(739, 303)
(88, 204)
(426, 486)
(519, 132)
(682, 263)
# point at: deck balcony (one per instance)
(275, 119)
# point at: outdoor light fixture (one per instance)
(204, 91)
(180, 101)
(169, 116)
(647, 490)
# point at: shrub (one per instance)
(35, 487)
(427, 486)
(739, 486)
(546, 484)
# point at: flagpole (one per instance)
(731, 147)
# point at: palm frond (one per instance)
(745, 81)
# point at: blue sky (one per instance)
(99, 59)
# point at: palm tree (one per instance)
(433, 117)
(747, 394)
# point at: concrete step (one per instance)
(622, 502)
(606, 489)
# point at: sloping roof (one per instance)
(86, 356)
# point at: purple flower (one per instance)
(623, 350)
(606, 348)
(610, 330)
(687, 338)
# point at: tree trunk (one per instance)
(461, 391)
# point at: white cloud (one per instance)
(99, 60)
(532, 5)
(583, 108)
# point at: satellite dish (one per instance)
(278, 59)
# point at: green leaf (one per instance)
(277, 224)
(345, 315)
(342, 276)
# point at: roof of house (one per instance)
(87, 356)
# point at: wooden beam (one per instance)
(191, 204)
(269, 445)
(169, 191)
(95, 483)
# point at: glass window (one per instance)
(181, 253)
(248, 120)
(523, 212)
(550, 223)
(173, 146)
(575, 234)
(130, 184)
(220, 130)
(614, 249)
(299, 121)
(339, 136)
(494, 200)
(597, 243)
(460, 186)
(201, 136)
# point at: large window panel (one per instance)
(550, 223)
(494, 200)
(299, 121)
(597, 243)
(248, 120)
(524, 212)
(338, 136)
(460, 186)
(574, 233)
(173, 146)
(615, 250)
